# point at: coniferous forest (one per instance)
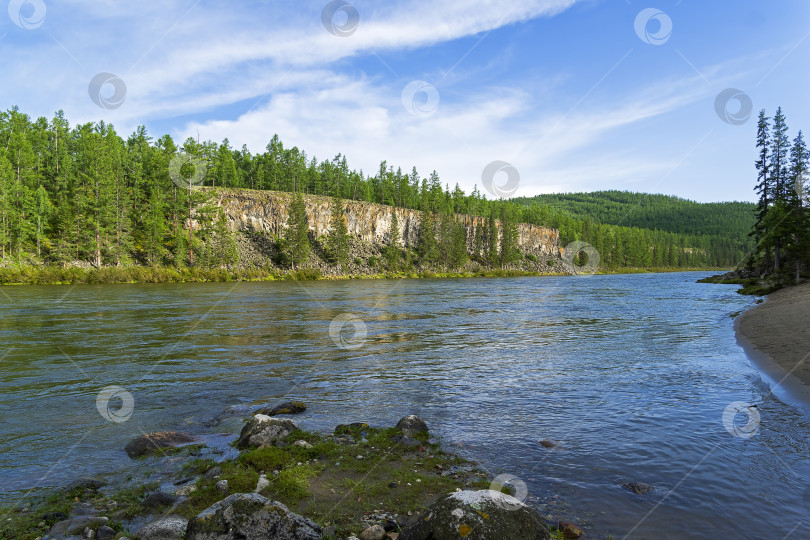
(85, 195)
(782, 226)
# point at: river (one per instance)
(628, 375)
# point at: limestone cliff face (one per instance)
(266, 211)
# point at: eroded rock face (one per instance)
(266, 211)
(263, 430)
(250, 516)
(153, 442)
(477, 515)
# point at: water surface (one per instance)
(629, 375)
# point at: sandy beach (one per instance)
(776, 335)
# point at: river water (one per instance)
(628, 375)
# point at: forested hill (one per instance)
(655, 212)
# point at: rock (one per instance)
(53, 517)
(158, 499)
(392, 485)
(263, 430)
(570, 530)
(391, 525)
(263, 483)
(154, 442)
(77, 525)
(547, 443)
(167, 528)
(213, 472)
(375, 532)
(288, 407)
(355, 429)
(302, 444)
(477, 515)
(188, 489)
(222, 486)
(249, 516)
(639, 488)
(88, 533)
(89, 484)
(412, 426)
(105, 533)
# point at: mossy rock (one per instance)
(477, 515)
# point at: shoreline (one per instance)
(49, 275)
(775, 337)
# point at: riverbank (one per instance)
(73, 275)
(775, 335)
(377, 483)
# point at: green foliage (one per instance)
(297, 232)
(392, 250)
(337, 242)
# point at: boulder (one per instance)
(105, 533)
(477, 515)
(639, 488)
(154, 442)
(76, 525)
(288, 407)
(87, 484)
(302, 444)
(412, 425)
(569, 530)
(250, 516)
(159, 499)
(167, 528)
(263, 430)
(547, 443)
(375, 532)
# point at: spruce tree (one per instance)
(337, 240)
(764, 186)
(392, 251)
(297, 233)
(426, 246)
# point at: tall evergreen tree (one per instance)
(337, 240)
(297, 233)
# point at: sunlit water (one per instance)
(629, 375)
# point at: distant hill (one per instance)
(655, 212)
(625, 226)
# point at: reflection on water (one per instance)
(629, 375)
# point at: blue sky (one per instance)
(567, 91)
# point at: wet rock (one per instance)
(154, 442)
(77, 525)
(159, 499)
(167, 528)
(547, 443)
(412, 425)
(250, 516)
(263, 430)
(213, 472)
(105, 533)
(375, 532)
(88, 484)
(639, 488)
(52, 517)
(569, 530)
(289, 407)
(477, 515)
(354, 429)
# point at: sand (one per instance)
(776, 336)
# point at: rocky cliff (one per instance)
(266, 211)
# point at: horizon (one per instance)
(631, 98)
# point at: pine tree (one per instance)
(297, 233)
(509, 237)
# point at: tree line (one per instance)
(84, 193)
(782, 226)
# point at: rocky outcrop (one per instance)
(250, 516)
(266, 212)
(477, 515)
